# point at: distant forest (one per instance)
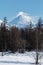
(21, 39)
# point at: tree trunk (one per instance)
(2, 49)
(37, 47)
(36, 58)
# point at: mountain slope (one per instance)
(21, 20)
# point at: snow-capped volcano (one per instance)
(22, 19)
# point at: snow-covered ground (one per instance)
(27, 58)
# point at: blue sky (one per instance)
(10, 8)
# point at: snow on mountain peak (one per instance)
(20, 13)
(22, 19)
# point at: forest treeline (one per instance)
(21, 39)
